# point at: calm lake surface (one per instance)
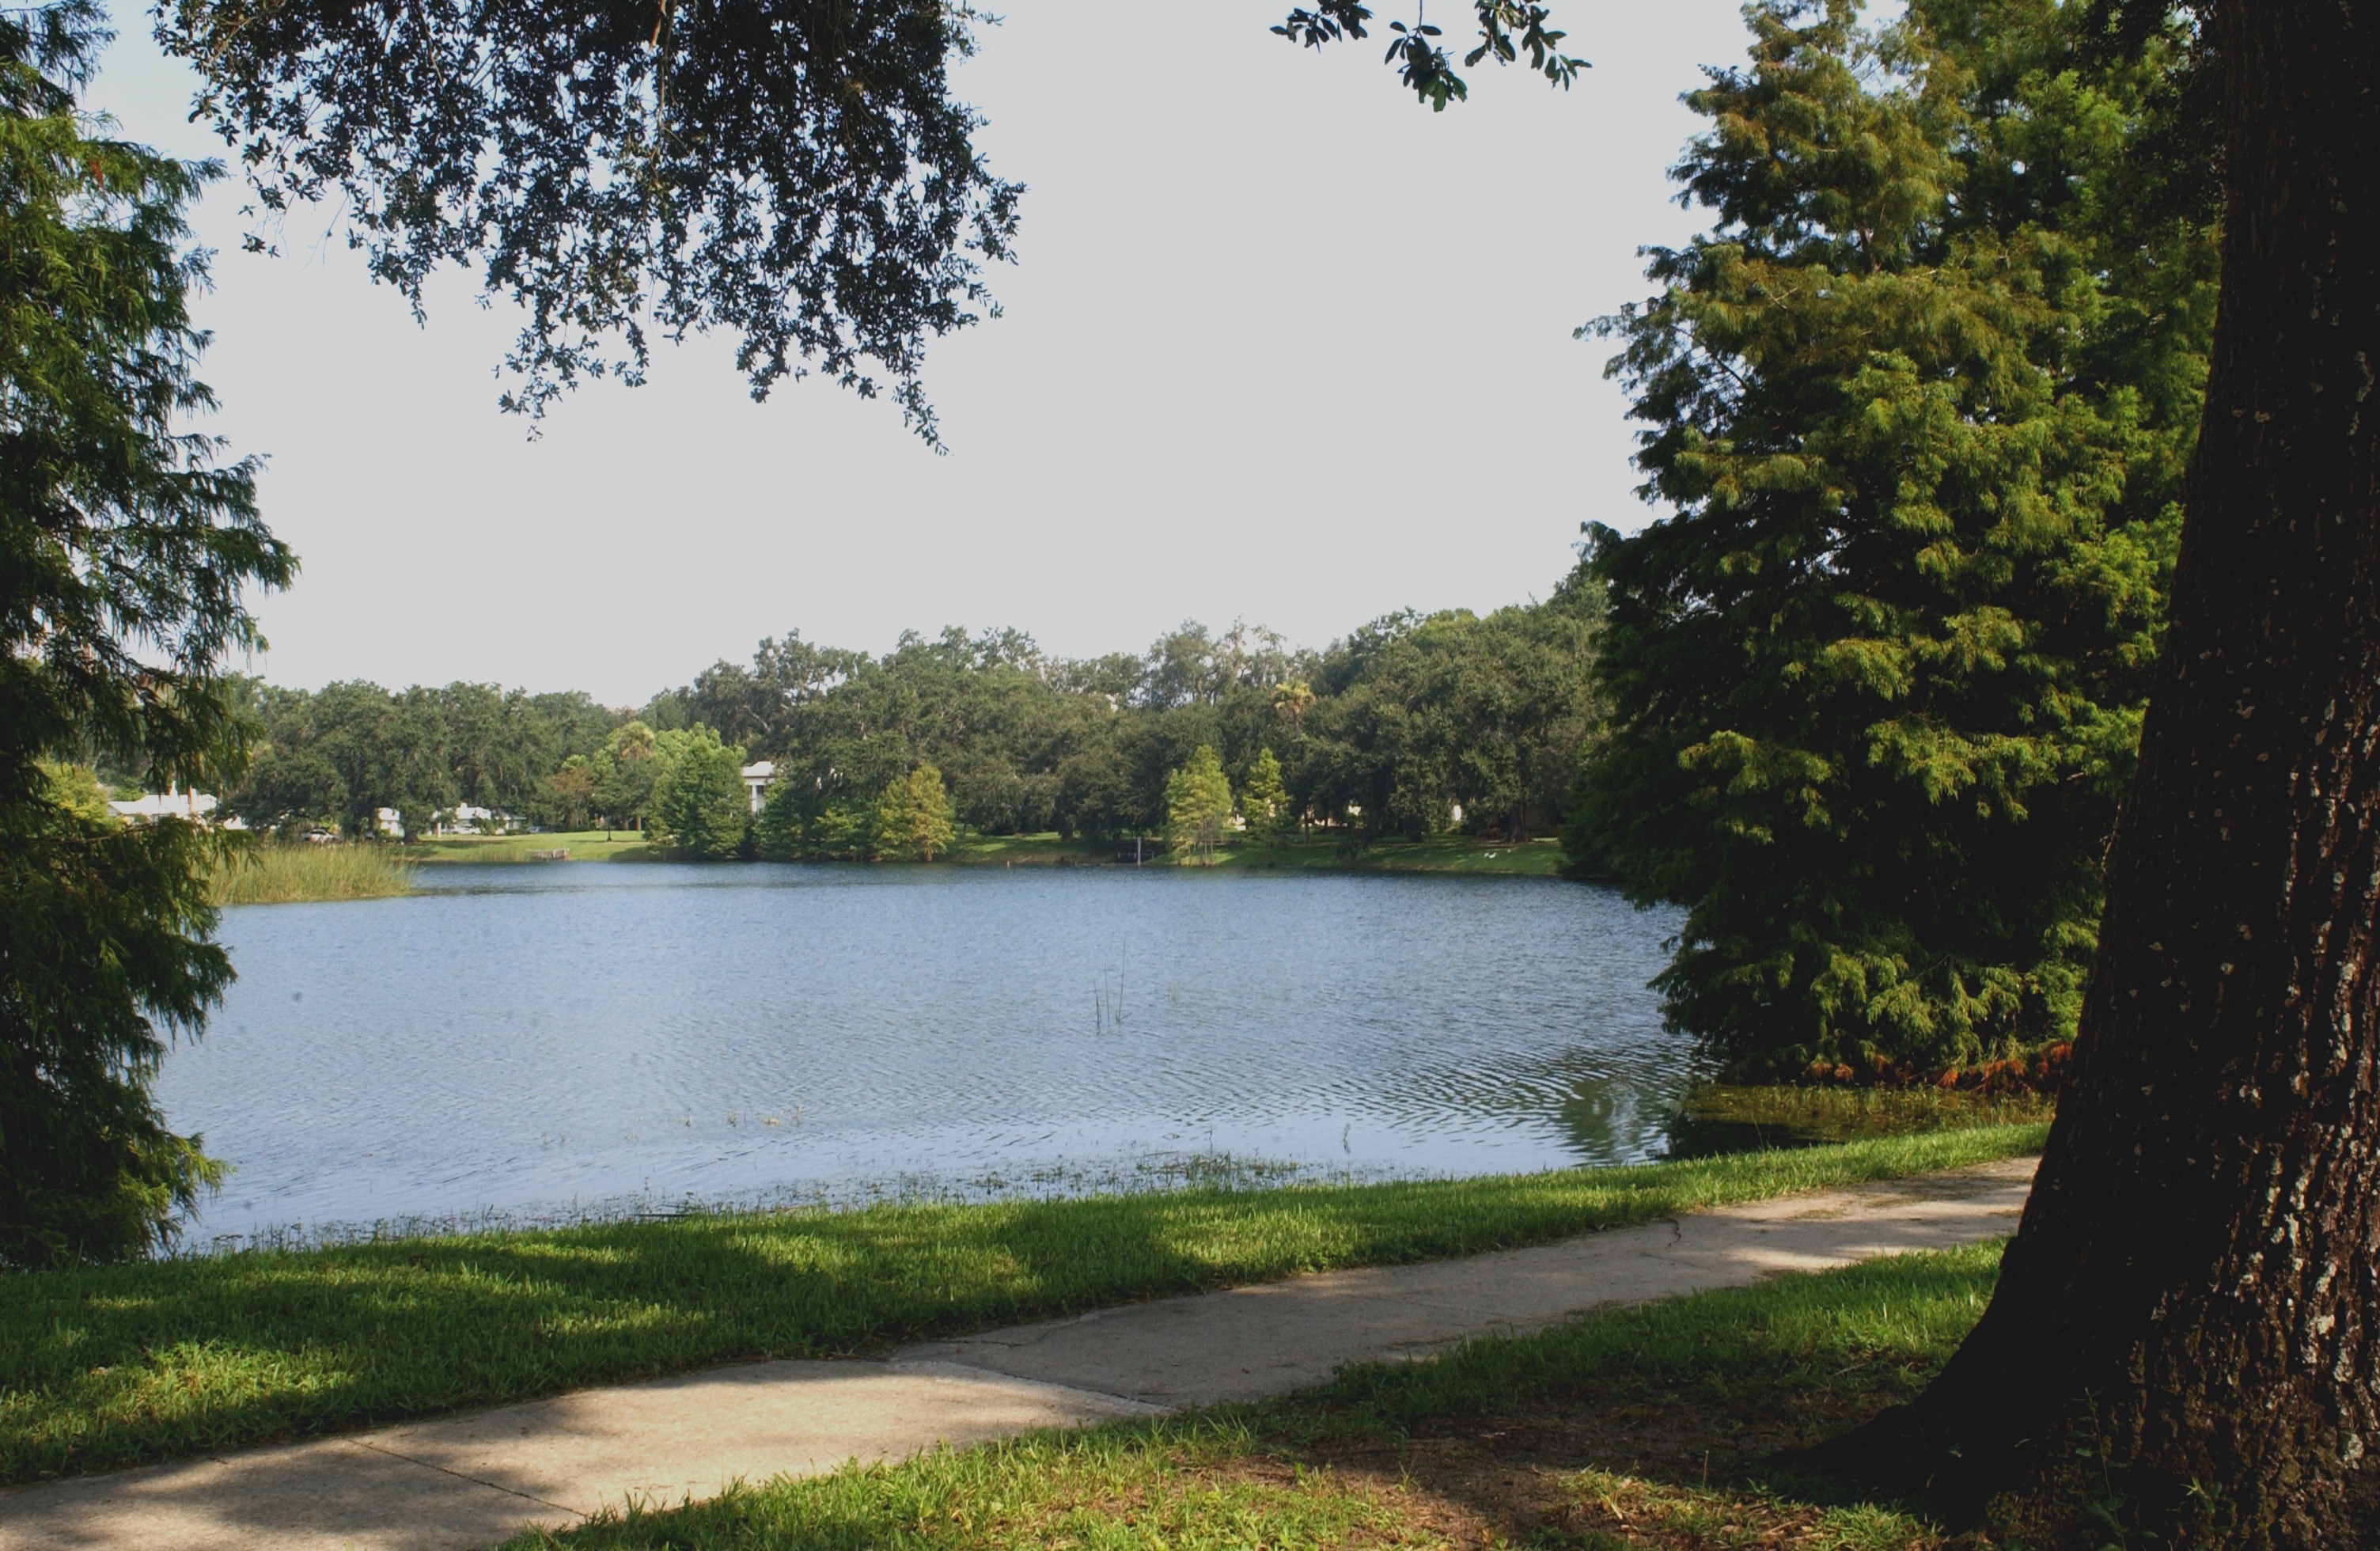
(538, 1042)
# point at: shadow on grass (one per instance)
(114, 1366)
(1658, 1426)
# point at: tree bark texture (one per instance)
(2196, 1278)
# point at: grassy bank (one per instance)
(1639, 1427)
(113, 1365)
(272, 873)
(1457, 854)
(582, 845)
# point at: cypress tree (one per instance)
(1265, 802)
(913, 818)
(1922, 403)
(1197, 807)
(126, 551)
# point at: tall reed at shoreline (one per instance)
(275, 873)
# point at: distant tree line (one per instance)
(1414, 725)
(333, 757)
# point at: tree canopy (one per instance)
(700, 807)
(334, 756)
(794, 173)
(1410, 725)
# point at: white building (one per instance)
(197, 808)
(757, 777)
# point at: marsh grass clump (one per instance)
(1724, 1117)
(273, 873)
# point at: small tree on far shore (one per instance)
(701, 806)
(1264, 803)
(1197, 807)
(913, 818)
(570, 790)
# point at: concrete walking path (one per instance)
(471, 1481)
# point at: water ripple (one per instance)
(520, 1038)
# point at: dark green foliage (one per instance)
(1422, 724)
(125, 549)
(625, 770)
(794, 172)
(569, 793)
(105, 937)
(1506, 28)
(1415, 717)
(335, 756)
(1387, 731)
(1922, 403)
(700, 806)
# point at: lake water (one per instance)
(538, 1042)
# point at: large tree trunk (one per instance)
(2196, 1280)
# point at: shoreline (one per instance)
(1456, 855)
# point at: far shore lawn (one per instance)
(1312, 852)
(583, 845)
(113, 1366)
(1640, 1429)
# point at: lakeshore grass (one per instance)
(113, 1365)
(273, 873)
(1640, 1427)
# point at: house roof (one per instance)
(166, 804)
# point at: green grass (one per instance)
(272, 873)
(110, 1366)
(583, 845)
(1032, 851)
(1460, 853)
(1633, 1427)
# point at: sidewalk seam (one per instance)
(474, 1480)
(949, 1368)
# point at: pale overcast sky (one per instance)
(1281, 345)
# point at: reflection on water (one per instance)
(539, 1041)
